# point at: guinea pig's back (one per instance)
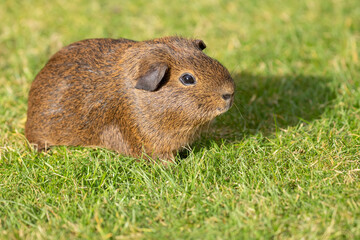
(68, 89)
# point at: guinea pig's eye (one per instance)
(187, 79)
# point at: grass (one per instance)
(283, 163)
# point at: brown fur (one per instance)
(126, 96)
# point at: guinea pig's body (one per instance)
(133, 97)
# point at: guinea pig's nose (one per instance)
(226, 96)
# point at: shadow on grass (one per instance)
(264, 103)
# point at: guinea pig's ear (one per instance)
(150, 78)
(200, 44)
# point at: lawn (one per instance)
(283, 163)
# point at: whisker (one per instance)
(238, 111)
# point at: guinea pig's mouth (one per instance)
(223, 110)
(226, 107)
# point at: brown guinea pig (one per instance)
(133, 97)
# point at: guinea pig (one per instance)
(139, 98)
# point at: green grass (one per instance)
(283, 163)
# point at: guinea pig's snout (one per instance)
(228, 99)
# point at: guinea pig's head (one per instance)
(177, 81)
